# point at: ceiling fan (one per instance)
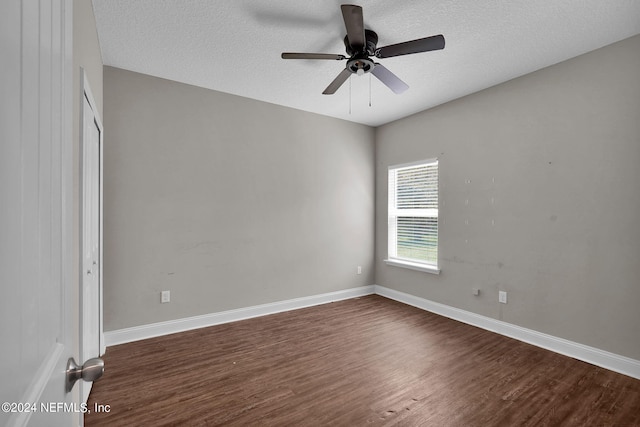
(361, 44)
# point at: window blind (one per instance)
(413, 213)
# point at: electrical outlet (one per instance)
(359, 269)
(502, 297)
(476, 291)
(165, 296)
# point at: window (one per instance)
(413, 216)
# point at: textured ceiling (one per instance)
(235, 46)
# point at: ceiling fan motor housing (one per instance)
(370, 45)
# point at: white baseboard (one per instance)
(605, 359)
(137, 333)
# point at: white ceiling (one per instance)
(235, 46)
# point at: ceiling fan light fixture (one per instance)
(360, 66)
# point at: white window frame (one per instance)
(394, 212)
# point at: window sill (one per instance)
(412, 266)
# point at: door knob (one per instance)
(90, 371)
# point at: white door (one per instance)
(39, 305)
(91, 249)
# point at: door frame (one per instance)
(85, 91)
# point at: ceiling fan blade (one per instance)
(294, 55)
(414, 46)
(337, 82)
(354, 22)
(388, 78)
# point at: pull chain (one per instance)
(349, 95)
(369, 89)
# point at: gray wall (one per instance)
(553, 160)
(227, 202)
(230, 202)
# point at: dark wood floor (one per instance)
(365, 361)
